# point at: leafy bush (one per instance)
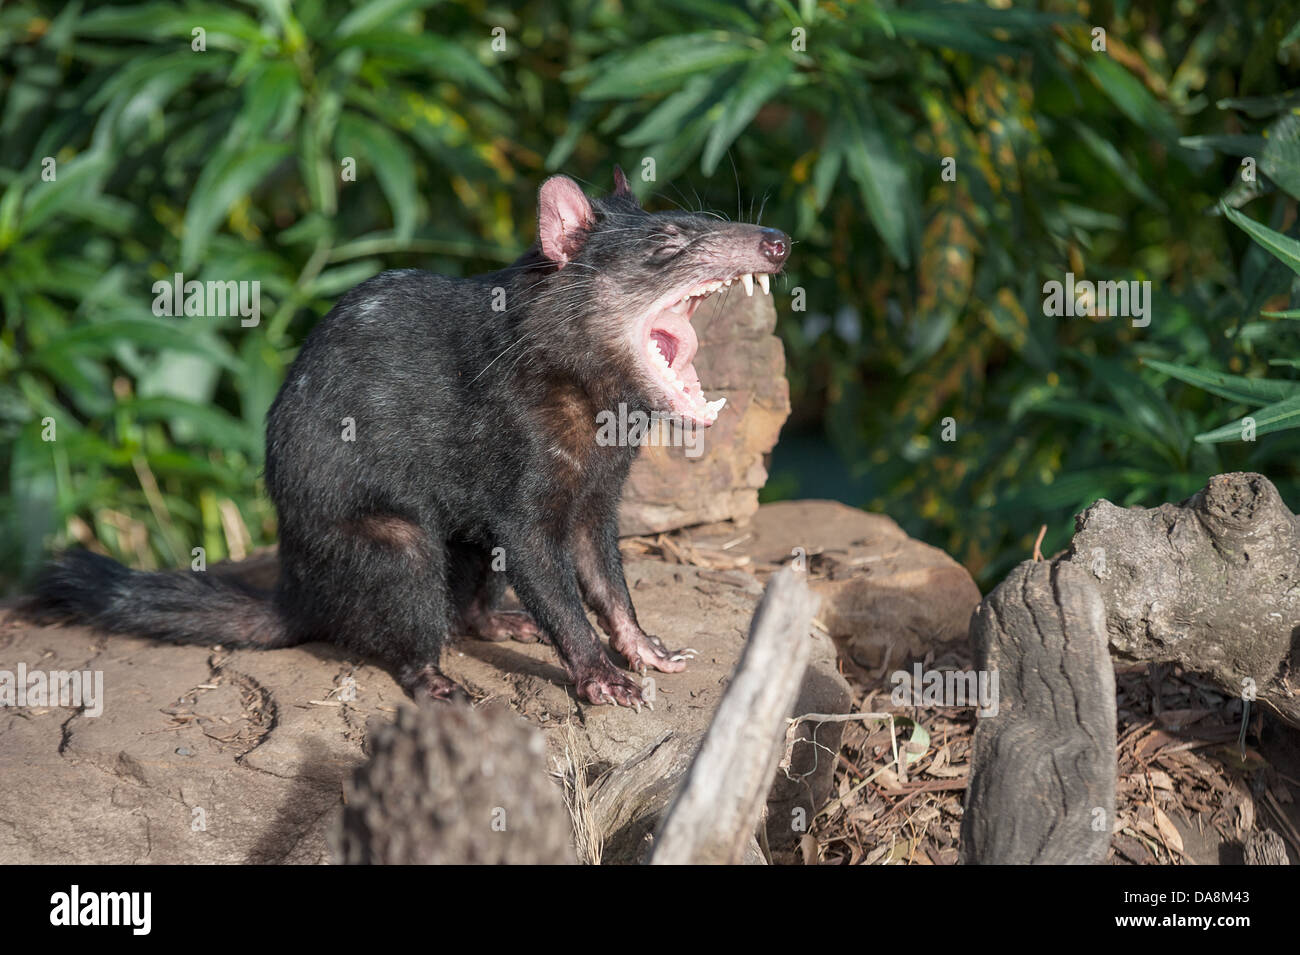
(922, 294)
(1270, 163)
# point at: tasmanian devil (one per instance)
(437, 438)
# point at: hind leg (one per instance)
(375, 584)
(477, 591)
(594, 544)
(429, 684)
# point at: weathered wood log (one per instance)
(1264, 847)
(1042, 786)
(713, 817)
(454, 785)
(1212, 583)
(628, 803)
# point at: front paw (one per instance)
(600, 683)
(642, 651)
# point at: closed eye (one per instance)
(667, 243)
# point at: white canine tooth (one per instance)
(747, 280)
(763, 284)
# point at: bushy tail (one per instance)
(181, 607)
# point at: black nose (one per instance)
(775, 245)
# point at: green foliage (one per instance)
(923, 293)
(1270, 164)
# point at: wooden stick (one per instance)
(713, 816)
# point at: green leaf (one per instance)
(667, 117)
(209, 423)
(1261, 106)
(103, 338)
(762, 80)
(392, 163)
(334, 282)
(1234, 145)
(882, 180)
(1279, 417)
(226, 179)
(1132, 98)
(442, 57)
(76, 182)
(661, 64)
(371, 16)
(271, 102)
(1282, 247)
(1251, 391)
(1105, 152)
(1280, 160)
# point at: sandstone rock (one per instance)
(207, 755)
(739, 358)
(885, 596)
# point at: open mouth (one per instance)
(669, 345)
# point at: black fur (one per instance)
(474, 429)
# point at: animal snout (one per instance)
(774, 245)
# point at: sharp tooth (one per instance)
(763, 284)
(728, 282)
(711, 408)
(747, 280)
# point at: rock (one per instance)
(886, 597)
(273, 734)
(211, 755)
(739, 358)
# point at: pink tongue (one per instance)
(687, 341)
(667, 344)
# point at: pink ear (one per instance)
(620, 182)
(563, 216)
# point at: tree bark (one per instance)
(1042, 786)
(713, 816)
(1212, 583)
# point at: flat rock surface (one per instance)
(208, 755)
(886, 597)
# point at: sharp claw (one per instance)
(651, 705)
(676, 657)
(690, 650)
